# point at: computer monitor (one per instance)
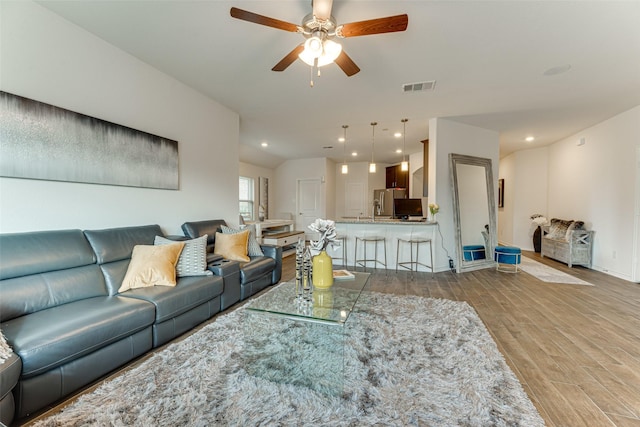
(405, 208)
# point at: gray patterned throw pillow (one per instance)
(193, 258)
(254, 246)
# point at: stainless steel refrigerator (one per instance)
(384, 199)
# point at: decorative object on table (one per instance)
(343, 275)
(300, 247)
(307, 282)
(538, 220)
(322, 263)
(434, 208)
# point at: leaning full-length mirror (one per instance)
(474, 211)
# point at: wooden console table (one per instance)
(278, 232)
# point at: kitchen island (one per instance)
(391, 230)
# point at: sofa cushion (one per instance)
(193, 258)
(24, 254)
(575, 225)
(58, 335)
(256, 268)
(113, 248)
(115, 244)
(253, 245)
(558, 228)
(44, 269)
(195, 229)
(152, 266)
(189, 292)
(233, 246)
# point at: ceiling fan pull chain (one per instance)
(311, 77)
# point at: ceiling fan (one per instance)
(319, 29)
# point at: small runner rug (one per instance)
(408, 361)
(549, 274)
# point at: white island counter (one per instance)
(390, 229)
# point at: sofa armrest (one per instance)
(275, 252)
(230, 273)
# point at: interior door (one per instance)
(354, 202)
(309, 202)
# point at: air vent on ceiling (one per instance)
(419, 86)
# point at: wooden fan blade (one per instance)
(346, 64)
(389, 24)
(322, 8)
(263, 20)
(289, 59)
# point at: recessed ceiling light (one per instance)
(553, 71)
(529, 139)
(341, 139)
(399, 151)
(397, 134)
(354, 154)
(264, 144)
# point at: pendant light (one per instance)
(345, 167)
(404, 166)
(372, 165)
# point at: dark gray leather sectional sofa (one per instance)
(61, 311)
(255, 275)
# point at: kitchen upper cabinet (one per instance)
(396, 177)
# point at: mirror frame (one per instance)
(461, 159)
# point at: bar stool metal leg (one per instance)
(414, 262)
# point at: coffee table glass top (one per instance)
(331, 306)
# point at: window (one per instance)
(246, 198)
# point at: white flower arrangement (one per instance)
(327, 230)
(538, 219)
(434, 208)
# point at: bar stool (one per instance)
(370, 239)
(343, 245)
(417, 241)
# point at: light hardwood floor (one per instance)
(575, 349)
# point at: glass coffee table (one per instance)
(301, 345)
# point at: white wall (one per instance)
(525, 175)
(445, 137)
(595, 183)
(48, 59)
(286, 181)
(252, 171)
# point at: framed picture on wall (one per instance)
(501, 193)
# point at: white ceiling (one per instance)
(488, 58)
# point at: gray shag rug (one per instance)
(408, 361)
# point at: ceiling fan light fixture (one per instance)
(313, 46)
(328, 53)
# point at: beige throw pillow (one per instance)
(233, 246)
(151, 266)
